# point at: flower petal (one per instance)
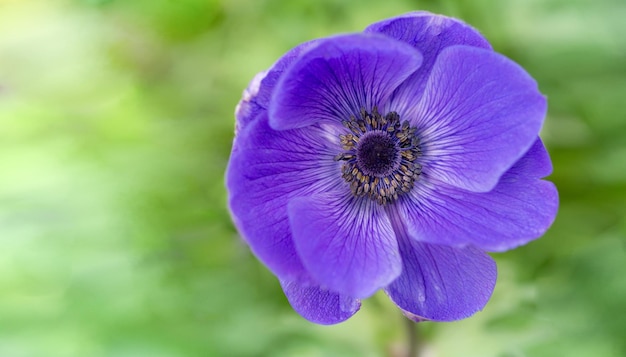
(277, 70)
(479, 114)
(248, 109)
(264, 173)
(320, 306)
(430, 34)
(442, 283)
(338, 77)
(519, 209)
(256, 97)
(535, 163)
(347, 244)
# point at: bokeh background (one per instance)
(116, 119)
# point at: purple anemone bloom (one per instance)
(390, 159)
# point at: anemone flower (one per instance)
(391, 159)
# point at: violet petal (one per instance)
(535, 163)
(248, 109)
(265, 172)
(519, 209)
(442, 283)
(255, 98)
(341, 75)
(318, 305)
(430, 34)
(479, 114)
(347, 244)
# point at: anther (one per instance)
(380, 154)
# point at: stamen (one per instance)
(380, 156)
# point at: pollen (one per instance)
(380, 155)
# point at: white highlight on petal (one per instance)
(437, 24)
(248, 94)
(253, 87)
(348, 304)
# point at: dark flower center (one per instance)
(380, 156)
(377, 154)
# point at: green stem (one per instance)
(413, 339)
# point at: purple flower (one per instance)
(390, 159)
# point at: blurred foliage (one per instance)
(116, 119)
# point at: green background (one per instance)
(116, 119)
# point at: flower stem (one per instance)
(413, 349)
